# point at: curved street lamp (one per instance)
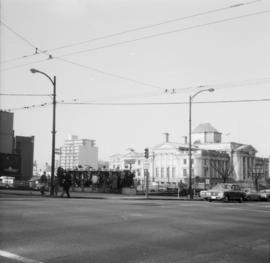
(53, 81)
(189, 147)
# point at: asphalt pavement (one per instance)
(43, 229)
(94, 195)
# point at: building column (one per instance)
(246, 168)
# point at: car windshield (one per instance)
(222, 186)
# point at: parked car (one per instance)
(252, 195)
(265, 194)
(204, 194)
(226, 192)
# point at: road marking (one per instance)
(7, 254)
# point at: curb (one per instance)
(85, 196)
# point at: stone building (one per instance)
(213, 161)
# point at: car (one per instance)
(265, 194)
(226, 192)
(252, 195)
(204, 194)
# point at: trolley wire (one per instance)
(215, 22)
(50, 57)
(141, 103)
(169, 21)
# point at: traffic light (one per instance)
(146, 153)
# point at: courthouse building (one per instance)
(212, 160)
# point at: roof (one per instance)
(204, 127)
(171, 145)
(228, 146)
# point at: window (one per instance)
(168, 173)
(162, 172)
(139, 162)
(173, 172)
(184, 172)
(185, 161)
(205, 171)
(157, 172)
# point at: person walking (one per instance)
(43, 183)
(66, 184)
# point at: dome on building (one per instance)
(204, 127)
(206, 133)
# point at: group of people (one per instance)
(64, 183)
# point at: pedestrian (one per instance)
(66, 184)
(43, 183)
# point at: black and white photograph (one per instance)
(134, 131)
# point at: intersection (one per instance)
(39, 229)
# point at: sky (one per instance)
(127, 53)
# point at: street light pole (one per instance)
(189, 135)
(189, 149)
(53, 81)
(53, 137)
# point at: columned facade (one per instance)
(212, 161)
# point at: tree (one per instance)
(226, 168)
(256, 176)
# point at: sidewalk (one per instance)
(92, 195)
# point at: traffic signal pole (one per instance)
(146, 171)
(147, 183)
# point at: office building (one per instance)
(78, 153)
(24, 146)
(6, 132)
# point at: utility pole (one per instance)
(153, 167)
(189, 135)
(53, 137)
(53, 81)
(189, 151)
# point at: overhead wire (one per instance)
(141, 103)
(37, 50)
(111, 74)
(164, 33)
(18, 35)
(227, 85)
(29, 107)
(169, 21)
(162, 103)
(25, 95)
(153, 25)
(143, 38)
(140, 95)
(146, 37)
(26, 64)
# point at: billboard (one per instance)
(10, 164)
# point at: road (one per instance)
(36, 229)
